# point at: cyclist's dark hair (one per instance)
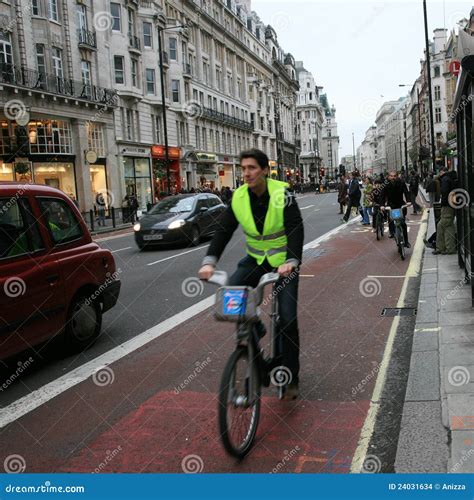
(260, 157)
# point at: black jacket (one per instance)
(228, 224)
(394, 192)
(448, 183)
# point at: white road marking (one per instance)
(306, 275)
(46, 393)
(128, 233)
(304, 208)
(177, 255)
(120, 249)
(317, 209)
(369, 424)
(370, 276)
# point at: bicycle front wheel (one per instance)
(239, 403)
(400, 242)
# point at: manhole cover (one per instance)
(399, 311)
(311, 253)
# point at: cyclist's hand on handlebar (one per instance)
(285, 270)
(206, 272)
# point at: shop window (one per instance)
(60, 220)
(57, 175)
(95, 138)
(5, 142)
(50, 136)
(98, 178)
(19, 233)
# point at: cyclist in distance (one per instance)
(395, 191)
(273, 227)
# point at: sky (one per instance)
(358, 50)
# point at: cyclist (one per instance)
(273, 226)
(394, 192)
(378, 199)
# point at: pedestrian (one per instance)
(354, 195)
(431, 189)
(445, 230)
(100, 205)
(367, 202)
(342, 194)
(414, 184)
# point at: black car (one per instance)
(184, 218)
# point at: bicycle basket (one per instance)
(235, 303)
(396, 213)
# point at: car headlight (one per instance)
(177, 224)
(136, 227)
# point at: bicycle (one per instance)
(240, 389)
(396, 215)
(379, 222)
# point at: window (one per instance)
(60, 220)
(95, 138)
(57, 62)
(150, 81)
(197, 132)
(81, 16)
(119, 70)
(5, 48)
(173, 49)
(86, 77)
(158, 129)
(129, 125)
(116, 17)
(131, 22)
(50, 136)
(438, 115)
(148, 35)
(19, 233)
(36, 7)
(40, 62)
(437, 71)
(135, 82)
(204, 138)
(53, 12)
(175, 90)
(205, 72)
(437, 92)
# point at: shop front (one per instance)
(273, 170)
(137, 173)
(206, 172)
(160, 173)
(226, 171)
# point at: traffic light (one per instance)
(342, 169)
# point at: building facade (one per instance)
(330, 140)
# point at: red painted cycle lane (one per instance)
(157, 411)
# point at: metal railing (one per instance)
(134, 42)
(187, 69)
(20, 76)
(217, 116)
(87, 38)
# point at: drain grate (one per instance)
(399, 311)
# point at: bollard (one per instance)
(91, 215)
(114, 223)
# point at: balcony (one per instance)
(212, 114)
(17, 76)
(87, 39)
(166, 61)
(134, 43)
(187, 71)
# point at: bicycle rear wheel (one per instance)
(400, 242)
(239, 404)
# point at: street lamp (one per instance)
(163, 100)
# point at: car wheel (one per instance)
(141, 246)
(84, 323)
(195, 236)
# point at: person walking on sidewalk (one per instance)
(431, 189)
(445, 231)
(342, 194)
(273, 226)
(354, 195)
(414, 183)
(367, 202)
(394, 193)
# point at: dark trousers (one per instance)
(352, 203)
(248, 273)
(416, 207)
(341, 207)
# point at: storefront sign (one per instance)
(222, 173)
(454, 67)
(130, 151)
(204, 157)
(158, 151)
(91, 156)
(272, 163)
(225, 159)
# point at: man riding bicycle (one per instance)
(394, 192)
(273, 227)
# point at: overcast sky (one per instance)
(358, 50)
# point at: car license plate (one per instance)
(149, 237)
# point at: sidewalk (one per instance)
(437, 433)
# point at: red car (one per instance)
(54, 280)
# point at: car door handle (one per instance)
(52, 278)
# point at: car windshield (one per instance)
(173, 205)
